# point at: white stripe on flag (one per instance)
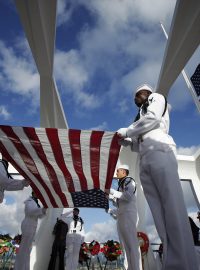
(85, 154)
(17, 158)
(38, 163)
(104, 157)
(50, 156)
(66, 151)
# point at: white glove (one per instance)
(125, 142)
(112, 191)
(122, 132)
(111, 197)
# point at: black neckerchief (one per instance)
(137, 116)
(121, 182)
(76, 219)
(36, 200)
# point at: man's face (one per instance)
(141, 97)
(121, 173)
(76, 212)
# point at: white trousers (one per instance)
(126, 226)
(22, 261)
(72, 254)
(162, 189)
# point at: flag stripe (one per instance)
(30, 158)
(46, 145)
(66, 151)
(85, 156)
(74, 139)
(10, 148)
(9, 157)
(104, 155)
(57, 150)
(63, 175)
(95, 143)
(25, 156)
(37, 164)
(31, 133)
(113, 157)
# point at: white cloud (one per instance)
(4, 112)
(188, 150)
(102, 232)
(18, 73)
(102, 126)
(64, 11)
(70, 71)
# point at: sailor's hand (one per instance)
(112, 191)
(122, 132)
(125, 142)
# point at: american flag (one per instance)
(195, 79)
(66, 167)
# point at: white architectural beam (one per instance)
(183, 39)
(38, 18)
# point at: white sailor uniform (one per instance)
(74, 239)
(127, 218)
(161, 184)
(29, 226)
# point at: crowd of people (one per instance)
(148, 135)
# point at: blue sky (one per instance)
(103, 51)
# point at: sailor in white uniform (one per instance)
(33, 212)
(127, 216)
(74, 238)
(159, 178)
(6, 181)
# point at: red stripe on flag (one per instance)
(113, 157)
(30, 164)
(7, 156)
(95, 146)
(52, 135)
(36, 144)
(74, 139)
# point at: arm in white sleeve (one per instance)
(13, 184)
(9, 183)
(31, 209)
(151, 119)
(127, 194)
(68, 213)
(64, 217)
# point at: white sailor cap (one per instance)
(123, 166)
(144, 87)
